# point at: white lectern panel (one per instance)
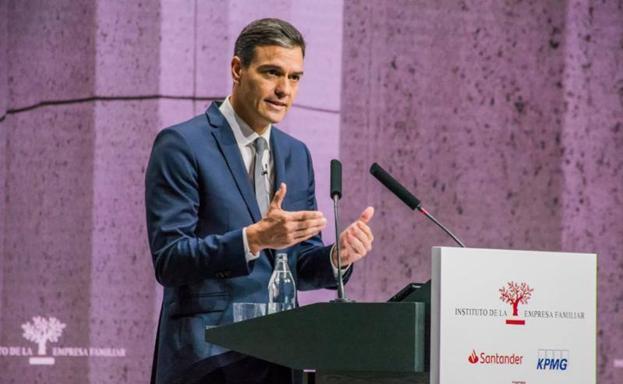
(515, 317)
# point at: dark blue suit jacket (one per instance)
(198, 198)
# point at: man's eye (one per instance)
(272, 72)
(295, 77)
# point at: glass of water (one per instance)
(246, 311)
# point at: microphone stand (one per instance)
(341, 297)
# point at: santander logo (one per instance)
(473, 358)
(483, 358)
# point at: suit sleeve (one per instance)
(314, 267)
(172, 201)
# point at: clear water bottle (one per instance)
(281, 287)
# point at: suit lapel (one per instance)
(229, 148)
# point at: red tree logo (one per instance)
(514, 294)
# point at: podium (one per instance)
(342, 342)
(486, 316)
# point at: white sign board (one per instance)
(514, 317)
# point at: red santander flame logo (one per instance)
(473, 358)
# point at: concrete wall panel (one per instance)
(122, 283)
(213, 51)
(128, 48)
(3, 205)
(177, 47)
(242, 12)
(320, 22)
(592, 162)
(47, 260)
(3, 128)
(172, 112)
(51, 50)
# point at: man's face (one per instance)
(264, 91)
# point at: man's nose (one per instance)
(283, 87)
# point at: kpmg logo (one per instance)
(40, 331)
(483, 358)
(43, 330)
(514, 294)
(552, 360)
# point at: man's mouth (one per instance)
(277, 104)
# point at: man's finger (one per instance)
(306, 234)
(365, 229)
(313, 223)
(367, 214)
(362, 237)
(356, 245)
(305, 215)
(279, 196)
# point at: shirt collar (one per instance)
(242, 131)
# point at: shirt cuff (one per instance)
(247, 251)
(335, 271)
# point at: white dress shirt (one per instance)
(245, 136)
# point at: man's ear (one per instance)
(236, 69)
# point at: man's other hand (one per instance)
(282, 229)
(356, 240)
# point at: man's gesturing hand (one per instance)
(356, 240)
(281, 229)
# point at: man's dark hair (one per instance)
(266, 32)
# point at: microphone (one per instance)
(393, 185)
(336, 195)
(336, 179)
(407, 197)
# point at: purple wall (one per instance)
(126, 65)
(438, 96)
(592, 163)
(506, 119)
(48, 173)
(3, 107)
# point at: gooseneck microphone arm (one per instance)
(336, 194)
(443, 228)
(407, 197)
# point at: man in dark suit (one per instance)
(226, 189)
